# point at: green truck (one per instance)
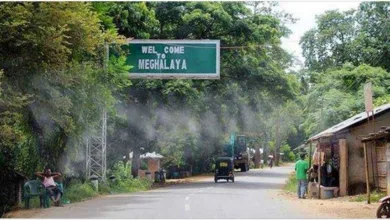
(238, 149)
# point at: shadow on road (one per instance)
(253, 179)
(262, 174)
(250, 185)
(238, 184)
(123, 202)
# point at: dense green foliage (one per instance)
(345, 51)
(355, 36)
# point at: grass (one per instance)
(82, 191)
(291, 183)
(79, 192)
(130, 185)
(374, 197)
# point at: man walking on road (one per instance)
(301, 167)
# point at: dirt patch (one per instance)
(331, 208)
(191, 179)
(22, 213)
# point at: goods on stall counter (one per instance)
(336, 161)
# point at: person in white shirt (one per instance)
(50, 185)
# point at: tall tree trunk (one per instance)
(277, 144)
(39, 134)
(257, 157)
(135, 162)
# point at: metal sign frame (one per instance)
(135, 75)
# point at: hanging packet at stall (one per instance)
(328, 168)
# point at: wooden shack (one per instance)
(342, 144)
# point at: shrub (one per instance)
(104, 188)
(130, 185)
(121, 171)
(79, 192)
(291, 156)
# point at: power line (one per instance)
(222, 47)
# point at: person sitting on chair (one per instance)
(50, 185)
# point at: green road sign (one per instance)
(166, 59)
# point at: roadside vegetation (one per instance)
(76, 191)
(291, 183)
(122, 183)
(374, 197)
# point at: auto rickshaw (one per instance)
(224, 169)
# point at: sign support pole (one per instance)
(367, 178)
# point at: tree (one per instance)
(331, 42)
(338, 95)
(61, 48)
(355, 36)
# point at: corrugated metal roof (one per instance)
(147, 155)
(349, 122)
(151, 155)
(299, 147)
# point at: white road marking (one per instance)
(187, 207)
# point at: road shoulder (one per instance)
(331, 208)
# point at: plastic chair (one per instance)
(33, 188)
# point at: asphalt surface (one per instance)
(250, 196)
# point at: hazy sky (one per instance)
(306, 12)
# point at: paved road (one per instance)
(250, 196)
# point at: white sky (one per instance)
(306, 12)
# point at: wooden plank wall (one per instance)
(343, 167)
(388, 167)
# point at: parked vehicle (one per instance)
(224, 169)
(383, 210)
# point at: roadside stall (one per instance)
(152, 162)
(341, 157)
(326, 165)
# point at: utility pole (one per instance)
(96, 151)
(321, 114)
(96, 143)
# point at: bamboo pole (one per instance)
(319, 170)
(308, 179)
(310, 156)
(367, 178)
